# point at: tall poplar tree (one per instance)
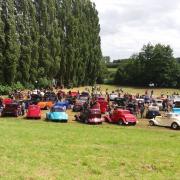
(11, 52)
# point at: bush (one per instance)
(5, 90)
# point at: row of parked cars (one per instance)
(93, 114)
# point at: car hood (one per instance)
(58, 115)
(130, 117)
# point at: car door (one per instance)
(115, 116)
(161, 120)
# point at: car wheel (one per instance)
(121, 122)
(174, 126)
(151, 123)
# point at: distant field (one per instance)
(134, 90)
(45, 150)
(112, 69)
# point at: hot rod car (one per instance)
(90, 116)
(12, 109)
(168, 120)
(121, 117)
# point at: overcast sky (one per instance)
(126, 25)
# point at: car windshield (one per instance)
(60, 109)
(177, 105)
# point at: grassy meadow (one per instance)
(31, 149)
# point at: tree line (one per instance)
(42, 40)
(153, 65)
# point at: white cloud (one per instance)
(126, 25)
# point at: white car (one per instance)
(168, 120)
(159, 102)
(113, 96)
(153, 107)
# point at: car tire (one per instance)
(121, 122)
(151, 123)
(174, 126)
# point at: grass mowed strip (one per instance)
(45, 150)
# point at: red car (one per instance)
(90, 116)
(7, 101)
(34, 111)
(103, 105)
(12, 109)
(121, 117)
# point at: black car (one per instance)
(152, 114)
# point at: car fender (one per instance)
(154, 120)
(176, 121)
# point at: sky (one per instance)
(126, 25)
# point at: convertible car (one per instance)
(57, 114)
(90, 116)
(168, 120)
(12, 109)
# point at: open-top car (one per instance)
(78, 106)
(57, 114)
(121, 117)
(168, 120)
(12, 109)
(33, 112)
(90, 116)
(48, 100)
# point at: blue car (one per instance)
(176, 108)
(57, 114)
(65, 104)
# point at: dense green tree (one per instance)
(11, 48)
(2, 44)
(42, 40)
(154, 64)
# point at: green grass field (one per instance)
(134, 90)
(45, 150)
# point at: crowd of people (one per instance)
(139, 104)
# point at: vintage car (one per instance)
(33, 112)
(12, 109)
(63, 104)
(121, 117)
(45, 105)
(90, 116)
(78, 106)
(176, 108)
(74, 93)
(103, 105)
(113, 96)
(153, 111)
(120, 102)
(57, 114)
(159, 103)
(48, 100)
(168, 120)
(7, 101)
